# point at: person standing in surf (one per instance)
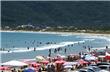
(28, 48)
(65, 50)
(34, 49)
(49, 53)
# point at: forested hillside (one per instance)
(80, 14)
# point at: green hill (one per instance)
(81, 14)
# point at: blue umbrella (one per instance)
(29, 70)
(90, 57)
(70, 63)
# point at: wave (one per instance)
(52, 46)
(107, 38)
(89, 39)
(15, 51)
(64, 35)
(100, 48)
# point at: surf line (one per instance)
(52, 46)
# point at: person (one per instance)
(40, 42)
(53, 68)
(20, 70)
(68, 45)
(106, 47)
(49, 68)
(49, 50)
(28, 48)
(14, 70)
(49, 54)
(34, 49)
(58, 67)
(65, 50)
(58, 49)
(84, 47)
(43, 67)
(79, 53)
(74, 67)
(39, 70)
(89, 49)
(72, 45)
(8, 50)
(55, 50)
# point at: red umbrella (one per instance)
(60, 61)
(4, 68)
(45, 62)
(27, 61)
(97, 61)
(107, 56)
(81, 61)
(35, 64)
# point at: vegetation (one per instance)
(59, 15)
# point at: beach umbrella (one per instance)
(35, 64)
(29, 70)
(45, 62)
(27, 60)
(40, 58)
(14, 63)
(101, 56)
(60, 61)
(68, 66)
(70, 63)
(4, 68)
(61, 56)
(81, 61)
(107, 56)
(103, 71)
(90, 57)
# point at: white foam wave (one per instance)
(65, 35)
(89, 39)
(81, 41)
(107, 38)
(20, 50)
(52, 46)
(100, 48)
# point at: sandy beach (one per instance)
(62, 33)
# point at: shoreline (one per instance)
(31, 51)
(61, 33)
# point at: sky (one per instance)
(55, 0)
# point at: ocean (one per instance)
(14, 45)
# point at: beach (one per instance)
(63, 33)
(27, 45)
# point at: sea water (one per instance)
(14, 44)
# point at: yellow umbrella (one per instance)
(40, 58)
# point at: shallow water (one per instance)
(16, 43)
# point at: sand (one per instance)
(62, 33)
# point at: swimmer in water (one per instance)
(34, 49)
(28, 48)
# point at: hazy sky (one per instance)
(55, 0)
